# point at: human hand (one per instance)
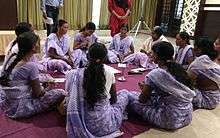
(60, 6)
(70, 62)
(143, 51)
(123, 17)
(84, 44)
(44, 15)
(48, 85)
(119, 17)
(141, 85)
(120, 57)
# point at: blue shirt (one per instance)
(54, 3)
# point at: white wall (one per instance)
(212, 8)
(212, 1)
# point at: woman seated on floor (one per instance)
(121, 46)
(206, 75)
(94, 109)
(166, 97)
(57, 55)
(143, 58)
(24, 96)
(217, 48)
(82, 41)
(12, 48)
(184, 54)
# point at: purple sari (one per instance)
(203, 66)
(170, 103)
(104, 121)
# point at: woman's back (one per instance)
(165, 86)
(89, 102)
(206, 74)
(166, 97)
(28, 71)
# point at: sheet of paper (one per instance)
(121, 65)
(138, 69)
(59, 79)
(48, 20)
(113, 70)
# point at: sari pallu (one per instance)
(204, 66)
(169, 105)
(119, 46)
(183, 54)
(142, 59)
(79, 56)
(78, 122)
(61, 47)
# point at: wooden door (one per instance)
(8, 14)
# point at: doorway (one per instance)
(9, 17)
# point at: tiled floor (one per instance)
(205, 124)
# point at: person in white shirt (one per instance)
(143, 58)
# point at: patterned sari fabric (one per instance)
(169, 105)
(203, 66)
(80, 55)
(103, 121)
(120, 47)
(17, 99)
(62, 47)
(142, 59)
(183, 55)
(10, 56)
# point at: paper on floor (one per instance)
(113, 70)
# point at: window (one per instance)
(179, 9)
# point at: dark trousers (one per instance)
(53, 13)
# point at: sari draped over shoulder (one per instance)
(80, 55)
(204, 66)
(169, 105)
(183, 54)
(103, 121)
(142, 59)
(119, 46)
(62, 47)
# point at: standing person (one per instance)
(94, 108)
(206, 74)
(50, 8)
(166, 97)
(119, 10)
(24, 96)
